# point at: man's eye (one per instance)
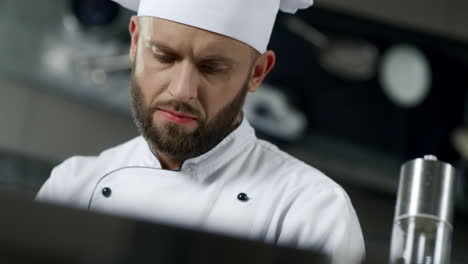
(164, 58)
(209, 69)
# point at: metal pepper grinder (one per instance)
(422, 228)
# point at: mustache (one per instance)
(177, 106)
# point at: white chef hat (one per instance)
(249, 21)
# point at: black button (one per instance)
(242, 197)
(106, 192)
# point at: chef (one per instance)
(198, 162)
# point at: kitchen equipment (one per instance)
(349, 58)
(405, 75)
(269, 111)
(78, 48)
(422, 227)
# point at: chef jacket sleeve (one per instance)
(323, 218)
(57, 188)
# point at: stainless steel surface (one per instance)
(420, 240)
(422, 227)
(48, 46)
(426, 189)
(445, 18)
(430, 157)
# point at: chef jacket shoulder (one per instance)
(284, 168)
(302, 206)
(72, 182)
(316, 207)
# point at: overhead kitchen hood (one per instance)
(77, 48)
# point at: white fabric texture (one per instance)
(250, 22)
(291, 6)
(290, 203)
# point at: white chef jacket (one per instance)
(288, 202)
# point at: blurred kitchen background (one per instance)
(360, 87)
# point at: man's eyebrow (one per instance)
(218, 59)
(211, 59)
(162, 47)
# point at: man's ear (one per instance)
(262, 66)
(133, 28)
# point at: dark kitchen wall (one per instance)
(361, 115)
(359, 111)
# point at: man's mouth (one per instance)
(176, 117)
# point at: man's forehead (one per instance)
(206, 56)
(178, 36)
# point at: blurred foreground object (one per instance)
(422, 229)
(39, 233)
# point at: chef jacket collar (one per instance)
(201, 167)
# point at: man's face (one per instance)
(188, 86)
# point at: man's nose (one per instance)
(185, 84)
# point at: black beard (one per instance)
(171, 139)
